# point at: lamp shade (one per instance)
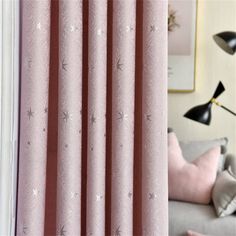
(201, 113)
(226, 41)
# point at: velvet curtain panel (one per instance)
(93, 137)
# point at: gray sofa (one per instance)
(185, 216)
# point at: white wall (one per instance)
(212, 65)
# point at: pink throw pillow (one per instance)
(191, 182)
(192, 233)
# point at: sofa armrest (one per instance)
(230, 162)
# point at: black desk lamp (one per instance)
(202, 113)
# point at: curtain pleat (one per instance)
(69, 118)
(154, 164)
(96, 189)
(96, 157)
(123, 78)
(34, 117)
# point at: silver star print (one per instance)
(148, 117)
(63, 231)
(129, 28)
(35, 192)
(73, 28)
(66, 116)
(119, 65)
(99, 32)
(29, 63)
(130, 195)
(152, 196)
(24, 229)
(30, 113)
(64, 65)
(99, 198)
(74, 194)
(118, 231)
(93, 119)
(153, 28)
(38, 26)
(122, 116)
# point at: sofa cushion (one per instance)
(224, 193)
(193, 181)
(200, 218)
(230, 163)
(193, 149)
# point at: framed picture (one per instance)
(182, 21)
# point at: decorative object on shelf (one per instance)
(226, 41)
(182, 21)
(202, 113)
(172, 21)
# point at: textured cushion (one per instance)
(191, 182)
(193, 149)
(224, 193)
(230, 163)
(192, 233)
(200, 218)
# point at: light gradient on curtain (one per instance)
(34, 107)
(96, 148)
(98, 84)
(69, 117)
(124, 18)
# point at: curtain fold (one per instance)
(96, 149)
(9, 108)
(95, 193)
(123, 77)
(34, 117)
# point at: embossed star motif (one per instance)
(63, 231)
(74, 194)
(29, 63)
(93, 119)
(129, 28)
(73, 28)
(152, 196)
(64, 65)
(130, 195)
(66, 116)
(153, 28)
(30, 113)
(118, 231)
(35, 192)
(28, 143)
(99, 198)
(148, 117)
(122, 116)
(45, 110)
(119, 65)
(39, 26)
(99, 32)
(24, 229)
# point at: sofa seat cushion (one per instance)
(200, 218)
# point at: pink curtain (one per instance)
(93, 158)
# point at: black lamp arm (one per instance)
(225, 108)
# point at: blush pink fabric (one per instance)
(192, 182)
(93, 139)
(192, 233)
